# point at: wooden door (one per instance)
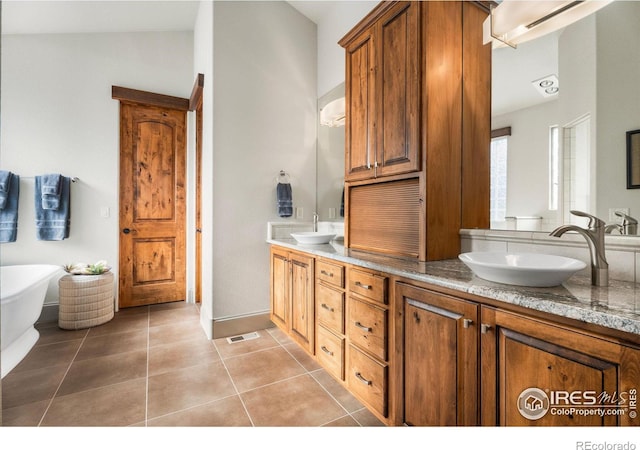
(361, 108)
(536, 373)
(398, 47)
(279, 287)
(440, 360)
(152, 204)
(302, 317)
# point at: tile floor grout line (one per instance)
(63, 378)
(235, 388)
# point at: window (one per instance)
(498, 209)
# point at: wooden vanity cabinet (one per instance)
(519, 353)
(468, 363)
(293, 295)
(440, 358)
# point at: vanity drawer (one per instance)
(330, 307)
(368, 379)
(368, 285)
(330, 273)
(367, 327)
(330, 352)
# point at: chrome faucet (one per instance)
(315, 221)
(594, 234)
(629, 225)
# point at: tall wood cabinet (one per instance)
(418, 87)
(293, 294)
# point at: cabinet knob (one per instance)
(484, 328)
(466, 323)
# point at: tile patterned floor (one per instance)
(153, 366)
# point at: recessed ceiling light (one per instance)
(547, 86)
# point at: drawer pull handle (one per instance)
(327, 307)
(484, 328)
(363, 379)
(363, 328)
(327, 274)
(466, 323)
(363, 286)
(326, 350)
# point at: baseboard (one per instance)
(239, 325)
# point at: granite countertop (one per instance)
(616, 306)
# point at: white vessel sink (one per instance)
(522, 269)
(312, 237)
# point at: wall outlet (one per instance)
(612, 214)
(299, 213)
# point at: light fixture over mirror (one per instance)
(514, 21)
(333, 114)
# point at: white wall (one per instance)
(203, 63)
(618, 74)
(528, 159)
(58, 116)
(264, 120)
(339, 19)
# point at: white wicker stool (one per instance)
(85, 300)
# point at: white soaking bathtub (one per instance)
(22, 292)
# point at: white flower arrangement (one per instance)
(98, 268)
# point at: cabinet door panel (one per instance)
(360, 108)
(399, 91)
(302, 304)
(534, 372)
(279, 288)
(440, 358)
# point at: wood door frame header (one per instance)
(150, 98)
(195, 101)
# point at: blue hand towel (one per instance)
(5, 187)
(285, 200)
(53, 224)
(50, 190)
(9, 214)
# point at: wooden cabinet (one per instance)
(466, 363)
(538, 373)
(330, 314)
(383, 97)
(440, 358)
(292, 295)
(367, 328)
(418, 83)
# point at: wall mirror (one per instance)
(330, 161)
(567, 147)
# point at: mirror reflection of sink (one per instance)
(522, 269)
(313, 237)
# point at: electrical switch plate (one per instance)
(299, 213)
(332, 213)
(612, 214)
(104, 212)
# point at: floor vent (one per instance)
(243, 337)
